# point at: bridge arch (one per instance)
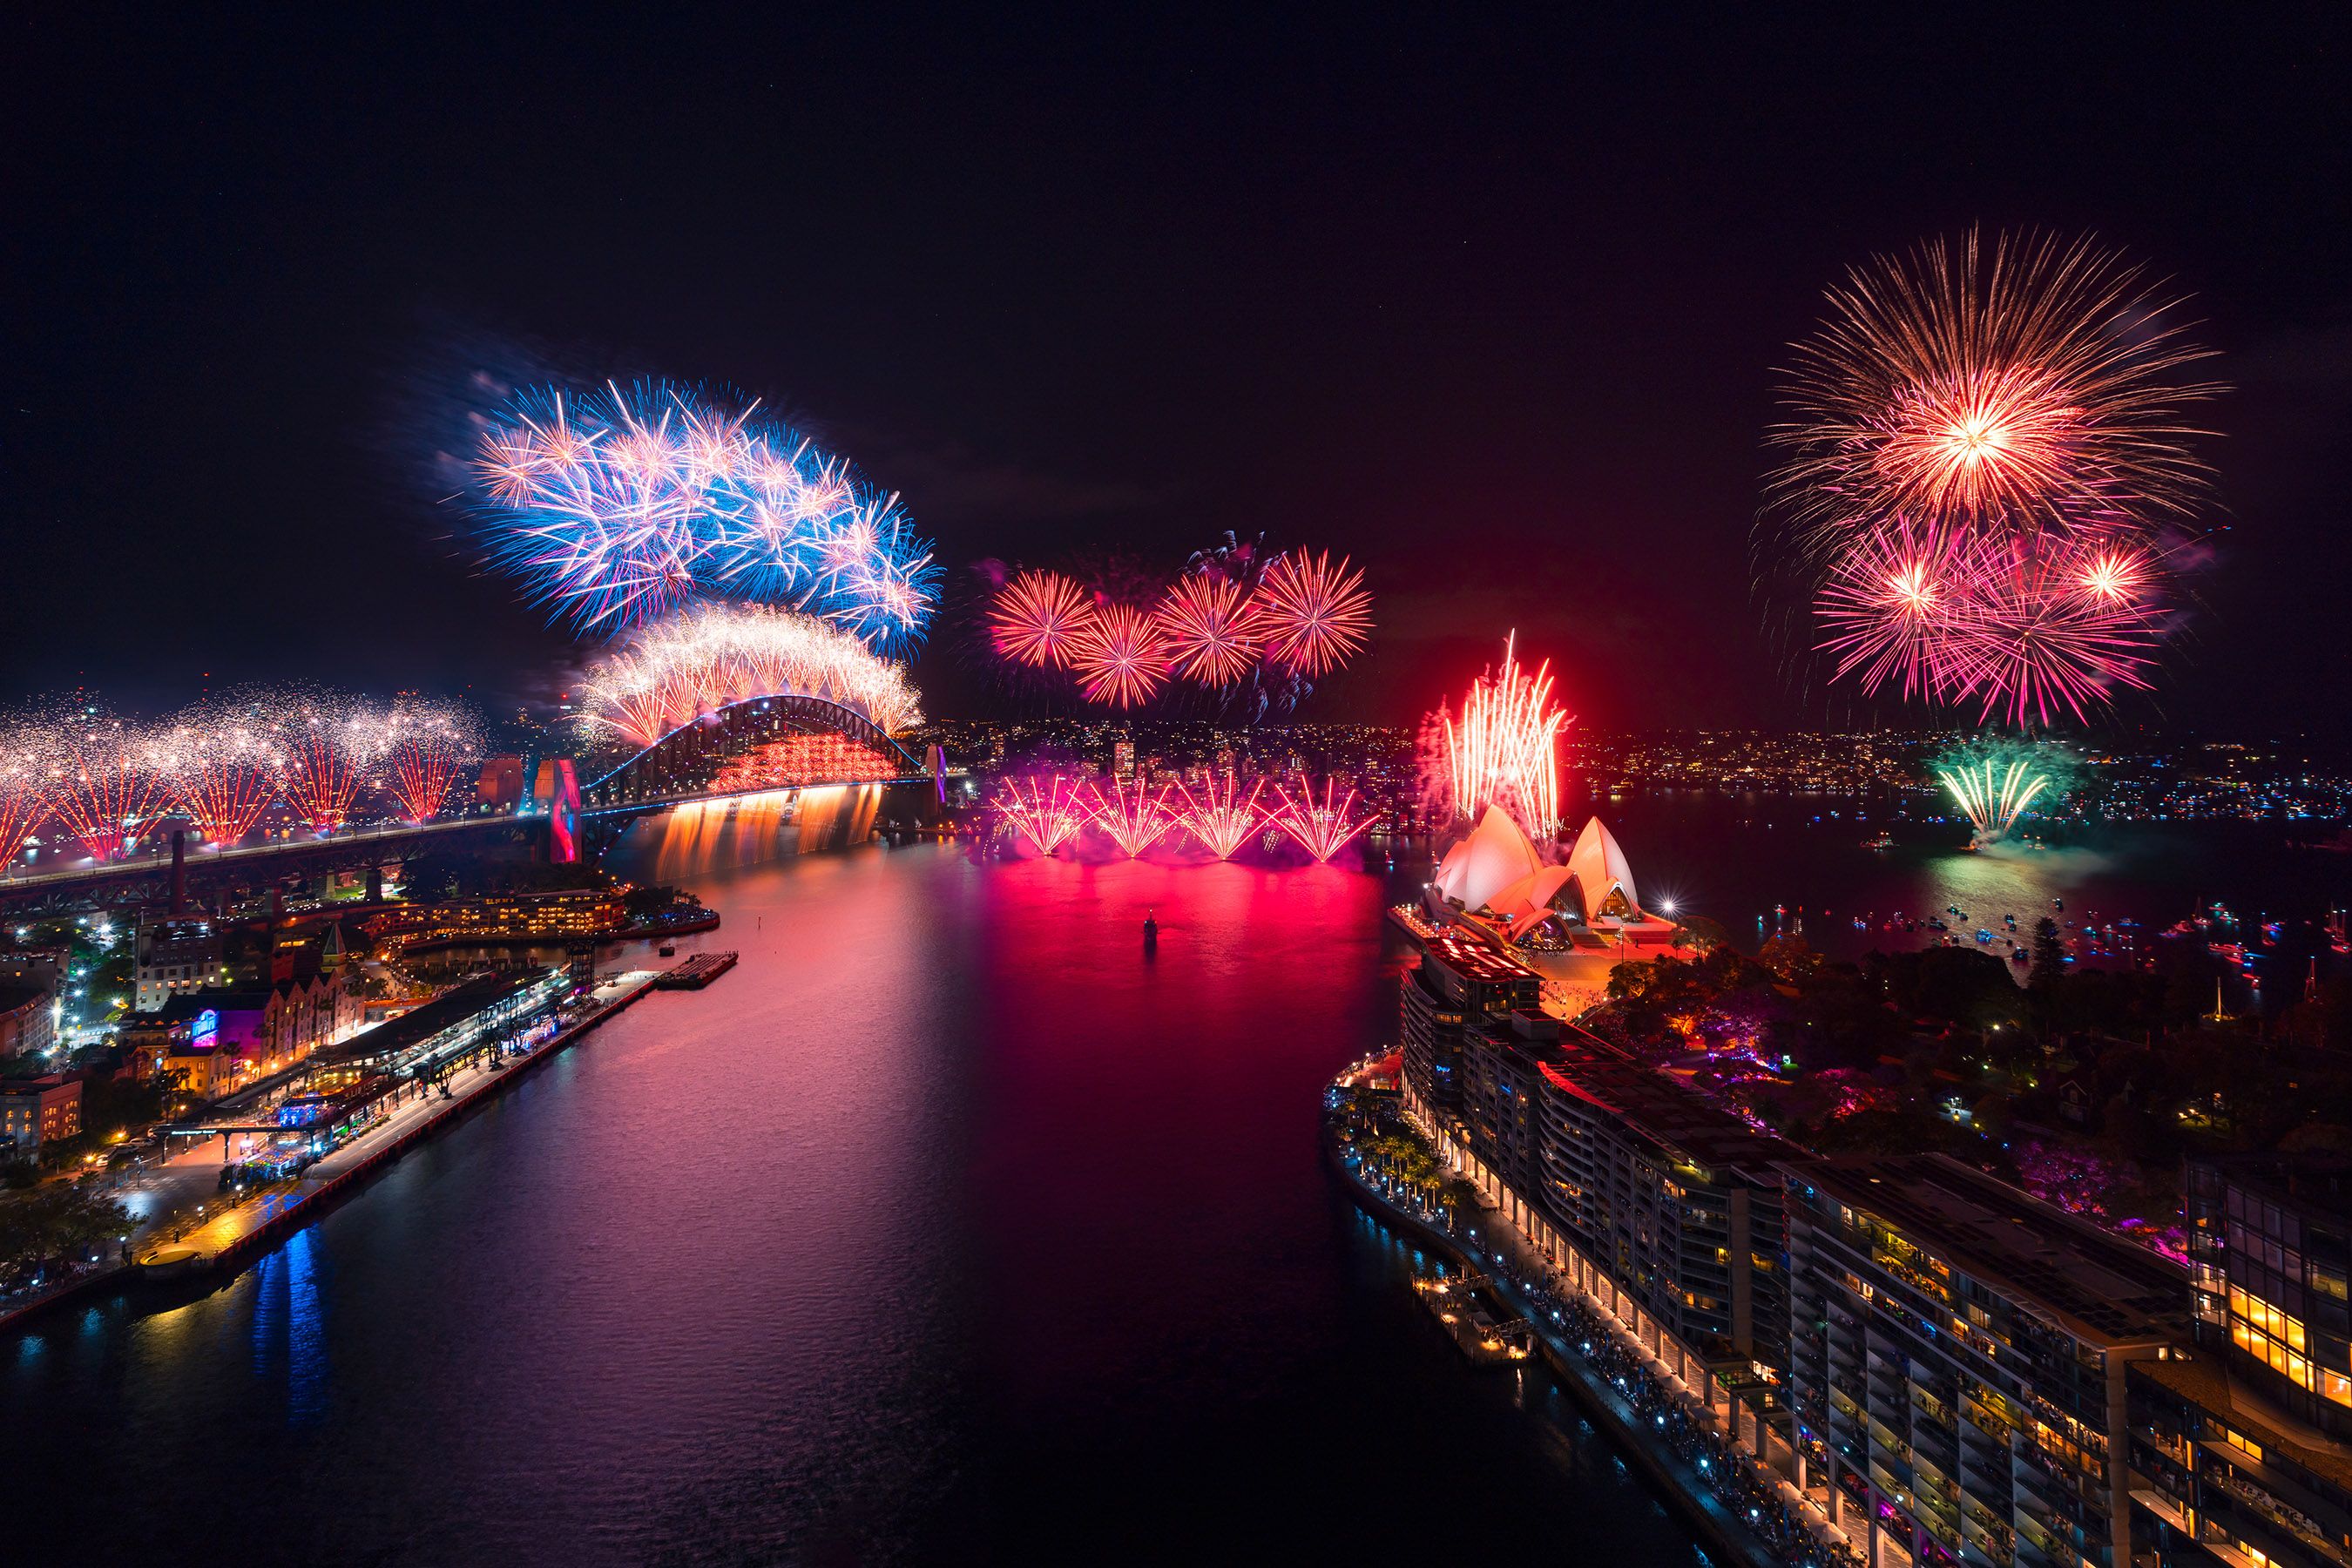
(687, 760)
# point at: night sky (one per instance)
(1492, 307)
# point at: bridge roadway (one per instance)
(396, 838)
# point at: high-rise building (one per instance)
(1457, 984)
(1122, 758)
(171, 955)
(1960, 1358)
(2242, 1446)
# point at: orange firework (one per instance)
(1038, 618)
(1121, 657)
(1505, 751)
(1321, 827)
(1212, 627)
(2022, 386)
(1316, 614)
(1049, 815)
(1136, 819)
(1222, 818)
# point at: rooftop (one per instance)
(2204, 1380)
(1671, 1114)
(1475, 961)
(2102, 1288)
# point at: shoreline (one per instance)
(1719, 1532)
(238, 1252)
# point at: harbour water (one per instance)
(950, 1226)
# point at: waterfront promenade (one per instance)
(178, 1241)
(1665, 1415)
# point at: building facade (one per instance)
(37, 1110)
(175, 954)
(1458, 984)
(1959, 1360)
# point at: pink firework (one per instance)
(1315, 615)
(2058, 627)
(2020, 384)
(1048, 816)
(1321, 827)
(1039, 618)
(22, 802)
(103, 783)
(1135, 816)
(1504, 751)
(1121, 659)
(427, 745)
(1221, 816)
(1212, 629)
(1894, 607)
(324, 749)
(220, 762)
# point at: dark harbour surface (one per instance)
(946, 1228)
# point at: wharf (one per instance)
(225, 1243)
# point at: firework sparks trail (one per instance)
(1121, 657)
(1321, 827)
(616, 506)
(102, 782)
(665, 675)
(1222, 818)
(324, 747)
(220, 762)
(1038, 617)
(428, 743)
(22, 802)
(1893, 608)
(1315, 615)
(1050, 817)
(1212, 627)
(2020, 387)
(1505, 750)
(1994, 804)
(1136, 818)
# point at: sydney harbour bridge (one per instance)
(759, 759)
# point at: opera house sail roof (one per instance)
(1497, 872)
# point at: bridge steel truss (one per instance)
(682, 764)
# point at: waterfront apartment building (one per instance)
(1960, 1356)
(2242, 1446)
(1458, 984)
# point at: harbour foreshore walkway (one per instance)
(226, 1241)
(1579, 1351)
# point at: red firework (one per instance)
(1212, 629)
(2022, 386)
(1039, 618)
(1049, 817)
(103, 783)
(1221, 818)
(1893, 607)
(1315, 615)
(21, 800)
(427, 744)
(221, 767)
(1121, 657)
(324, 749)
(1321, 827)
(1136, 818)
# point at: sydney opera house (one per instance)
(1495, 880)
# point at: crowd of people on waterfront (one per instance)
(1743, 1487)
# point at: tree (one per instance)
(62, 1219)
(2049, 954)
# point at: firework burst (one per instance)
(1505, 751)
(1135, 816)
(1221, 816)
(1995, 782)
(1039, 617)
(2020, 386)
(1049, 815)
(614, 506)
(23, 801)
(1321, 827)
(220, 759)
(324, 744)
(426, 743)
(1316, 615)
(1210, 628)
(103, 782)
(665, 675)
(1123, 658)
